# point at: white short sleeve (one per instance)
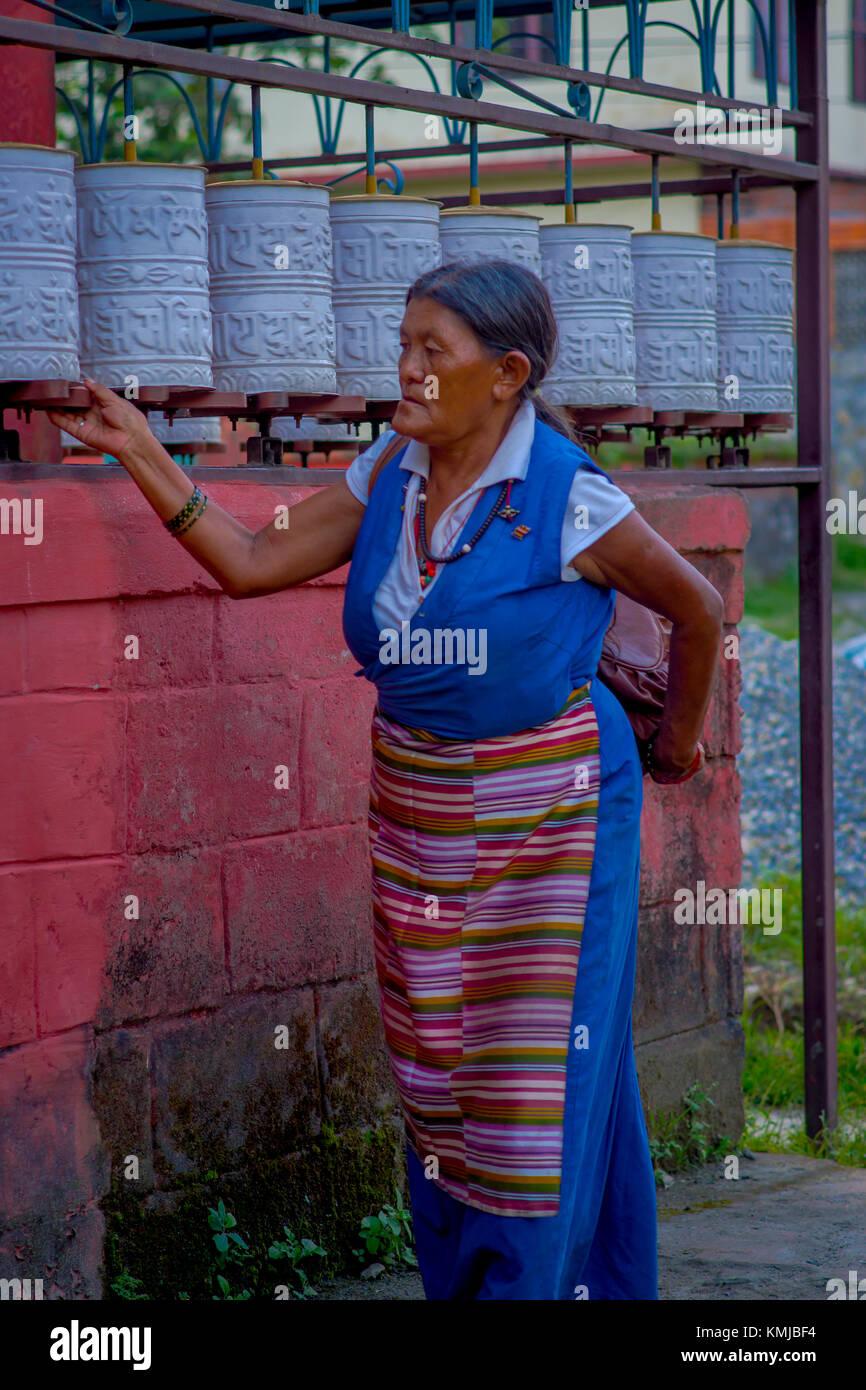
(359, 470)
(595, 504)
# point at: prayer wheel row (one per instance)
(669, 320)
(144, 275)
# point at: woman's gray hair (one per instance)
(508, 308)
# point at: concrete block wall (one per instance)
(188, 1006)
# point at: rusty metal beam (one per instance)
(30, 471)
(815, 596)
(353, 89)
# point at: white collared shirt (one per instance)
(595, 504)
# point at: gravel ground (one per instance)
(781, 1231)
(769, 764)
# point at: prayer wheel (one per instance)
(308, 427)
(188, 429)
(382, 243)
(270, 275)
(38, 286)
(675, 320)
(587, 270)
(478, 234)
(143, 275)
(755, 326)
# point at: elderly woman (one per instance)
(506, 783)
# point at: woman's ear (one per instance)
(513, 373)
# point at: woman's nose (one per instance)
(411, 365)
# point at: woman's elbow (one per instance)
(706, 615)
(711, 617)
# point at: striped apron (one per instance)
(482, 853)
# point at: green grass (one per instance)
(774, 604)
(691, 453)
(773, 1075)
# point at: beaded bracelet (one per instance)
(178, 522)
(193, 519)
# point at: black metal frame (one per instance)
(808, 174)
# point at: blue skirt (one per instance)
(602, 1244)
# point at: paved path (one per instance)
(780, 1231)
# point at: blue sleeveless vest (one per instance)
(542, 636)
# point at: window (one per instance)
(858, 50)
(759, 67)
(528, 48)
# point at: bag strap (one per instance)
(385, 457)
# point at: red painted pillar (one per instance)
(27, 106)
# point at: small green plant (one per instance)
(388, 1238)
(685, 1140)
(126, 1286)
(233, 1253)
(295, 1250)
(258, 1271)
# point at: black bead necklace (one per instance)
(427, 567)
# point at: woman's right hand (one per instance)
(110, 425)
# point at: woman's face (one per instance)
(448, 380)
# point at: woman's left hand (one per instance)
(664, 767)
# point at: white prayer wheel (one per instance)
(755, 326)
(382, 243)
(142, 274)
(270, 274)
(675, 320)
(38, 286)
(478, 234)
(587, 270)
(284, 427)
(188, 429)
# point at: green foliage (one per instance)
(126, 1286)
(773, 1079)
(166, 131)
(773, 603)
(691, 452)
(295, 1251)
(685, 1139)
(234, 1263)
(232, 1253)
(387, 1238)
(849, 561)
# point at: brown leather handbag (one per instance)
(634, 665)
(634, 654)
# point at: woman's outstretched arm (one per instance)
(634, 559)
(319, 538)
